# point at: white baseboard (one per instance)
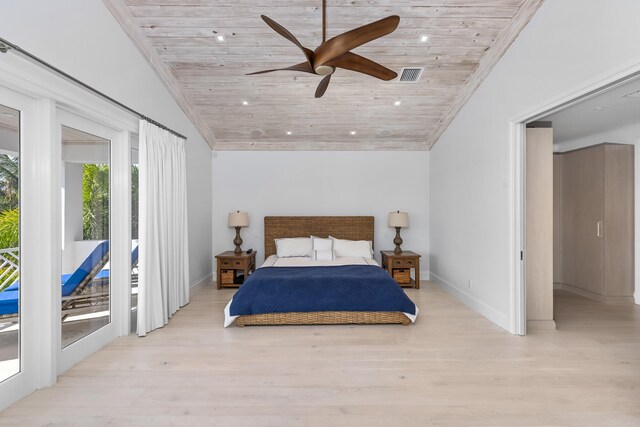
(592, 295)
(500, 319)
(203, 281)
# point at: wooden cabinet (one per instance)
(233, 269)
(400, 266)
(593, 204)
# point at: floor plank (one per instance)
(451, 368)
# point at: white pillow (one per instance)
(320, 244)
(296, 246)
(352, 248)
(320, 255)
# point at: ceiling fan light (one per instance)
(324, 70)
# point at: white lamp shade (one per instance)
(238, 219)
(398, 219)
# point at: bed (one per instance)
(326, 293)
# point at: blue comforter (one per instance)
(308, 289)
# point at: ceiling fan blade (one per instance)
(308, 53)
(354, 62)
(322, 87)
(345, 42)
(303, 66)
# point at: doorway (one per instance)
(604, 120)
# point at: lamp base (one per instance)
(237, 241)
(397, 241)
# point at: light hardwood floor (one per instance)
(451, 368)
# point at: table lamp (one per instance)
(398, 220)
(238, 220)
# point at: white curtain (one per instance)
(163, 285)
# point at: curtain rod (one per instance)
(6, 46)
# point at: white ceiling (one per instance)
(602, 114)
(207, 78)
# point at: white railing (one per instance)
(9, 267)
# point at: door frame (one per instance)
(517, 129)
(118, 228)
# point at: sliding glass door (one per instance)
(66, 251)
(86, 280)
(18, 284)
(85, 239)
(10, 296)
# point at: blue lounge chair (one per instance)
(72, 285)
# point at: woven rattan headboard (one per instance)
(340, 227)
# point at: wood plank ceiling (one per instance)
(358, 112)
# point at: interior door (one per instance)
(583, 222)
(539, 227)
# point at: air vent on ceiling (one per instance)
(410, 74)
(635, 94)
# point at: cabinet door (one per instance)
(583, 210)
(618, 221)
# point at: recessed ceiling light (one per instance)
(221, 38)
(245, 102)
(599, 107)
(424, 38)
(289, 132)
(397, 103)
(353, 132)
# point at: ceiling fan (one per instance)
(335, 53)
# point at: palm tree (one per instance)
(95, 202)
(9, 182)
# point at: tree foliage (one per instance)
(95, 202)
(9, 193)
(9, 228)
(134, 202)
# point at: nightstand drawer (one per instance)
(404, 262)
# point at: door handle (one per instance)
(599, 229)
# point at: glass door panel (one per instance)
(85, 253)
(134, 234)
(9, 242)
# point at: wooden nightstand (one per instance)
(400, 265)
(234, 269)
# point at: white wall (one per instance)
(322, 183)
(83, 39)
(567, 45)
(72, 187)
